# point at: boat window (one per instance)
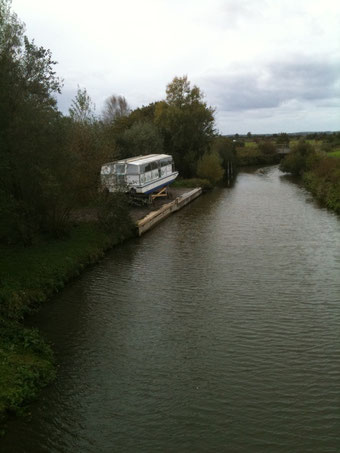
(154, 165)
(120, 169)
(147, 168)
(132, 169)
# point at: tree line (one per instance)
(50, 162)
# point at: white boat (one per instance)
(139, 175)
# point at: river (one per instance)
(218, 331)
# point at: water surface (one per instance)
(218, 331)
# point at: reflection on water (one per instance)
(217, 331)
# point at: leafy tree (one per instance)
(298, 160)
(87, 146)
(186, 124)
(226, 151)
(282, 138)
(140, 139)
(82, 108)
(114, 215)
(27, 114)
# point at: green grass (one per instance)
(192, 183)
(28, 276)
(250, 144)
(311, 141)
(335, 153)
(26, 365)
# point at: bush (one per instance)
(293, 163)
(209, 167)
(266, 147)
(114, 214)
(253, 156)
(302, 157)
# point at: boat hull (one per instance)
(153, 186)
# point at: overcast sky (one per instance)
(265, 65)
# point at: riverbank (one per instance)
(183, 325)
(29, 276)
(319, 173)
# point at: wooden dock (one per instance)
(155, 217)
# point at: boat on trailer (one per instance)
(141, 175)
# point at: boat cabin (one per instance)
(141, 174)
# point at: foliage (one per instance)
(227, 153)
(82, 108)
(282, 139)
(267, 147)
(225, 148)
(253, 156)
(115, 107)
(140, 139)
(186, 124)
(28, 119)
(209, 167)
(30, 274)
(320, 173)
(113, 214)
(26, 365)
(205, 184)
(323, 180)
(297, 161)
(335, 153)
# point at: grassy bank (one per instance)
(28, 276)
(192, 183)
(323, 181)
(319, 172)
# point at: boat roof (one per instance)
(141, 159)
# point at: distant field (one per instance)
(250, 144)
(311, 141)
(335, 153)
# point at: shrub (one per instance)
(301, 158)
(253, 156)
(209, 167)
(267, 147)
(114, 214)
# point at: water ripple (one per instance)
(218, 331)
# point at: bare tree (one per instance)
(115, 107)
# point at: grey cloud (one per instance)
(276, 83)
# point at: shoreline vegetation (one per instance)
(29, 276)
(318, 170)
(50, 169)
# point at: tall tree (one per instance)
(27, 112)
(82, 108)
(186, 123)
(86, 146)
(115, 107)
